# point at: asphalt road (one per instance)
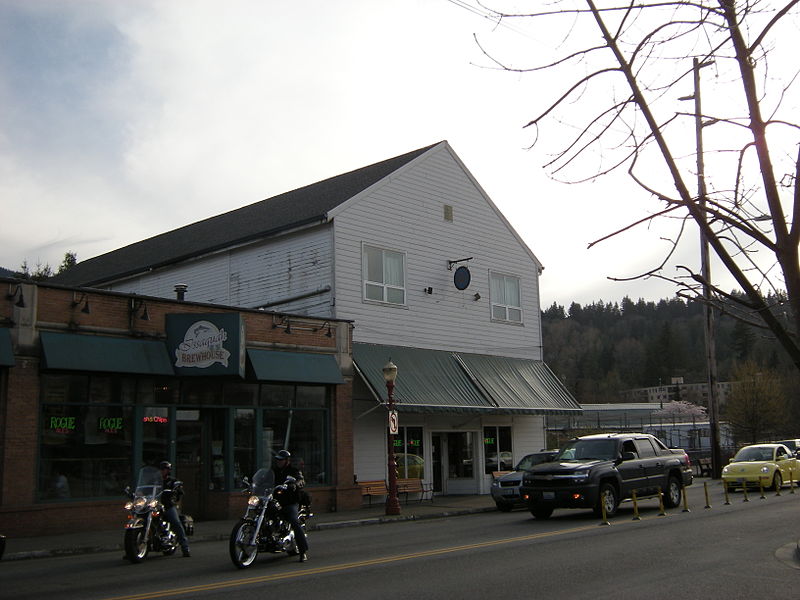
(744, 550)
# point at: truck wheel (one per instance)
(672, 497)
(541, 512)
(609, 498)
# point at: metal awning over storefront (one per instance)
(6, 349)
(519, 384)
(297, 367)
(75, 352)
(442, 381)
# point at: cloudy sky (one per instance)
(122, 120)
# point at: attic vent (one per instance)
(448, 213)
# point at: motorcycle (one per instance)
(147, 528)
(263, 528)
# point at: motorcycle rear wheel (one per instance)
(243, 546)
(136, 546)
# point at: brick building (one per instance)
(95, 384)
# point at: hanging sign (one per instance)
(207, 344)
(393, 422)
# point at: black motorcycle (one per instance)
(147, 528)
(263, 528)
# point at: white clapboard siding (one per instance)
(254, 275)
(369, 441)
(406, 214)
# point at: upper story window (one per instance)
(506, 304)
(384, 275)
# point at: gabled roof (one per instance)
(286, 211)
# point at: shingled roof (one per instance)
(298, 207)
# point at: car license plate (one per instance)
(741, 480)
(510, 492)
(548, 495)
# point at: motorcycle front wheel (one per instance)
(243, 544)
(136, 546)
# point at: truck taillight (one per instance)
(688, 460)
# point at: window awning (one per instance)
(272, 365)
(442, 381)
(6, 349)
(75, 352)
(520, 384)
(427, 380)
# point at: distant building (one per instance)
(636, 416)
(696, 393)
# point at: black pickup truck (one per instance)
(607, 469)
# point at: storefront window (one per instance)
(155, 434)
(244, 445)
(85, 451)
(161, 390)
(497, 449)
(302, 428)
(217, 480)
(409, 453)
(240, 394)
(112, 390)
(65, 388)
(277, 395)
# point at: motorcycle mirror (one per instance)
(177, 484)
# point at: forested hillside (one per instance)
(599, 349)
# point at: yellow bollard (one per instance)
(636, 516)
(744, 491)
(778, 490)
(603, 511)
(685, 500)
(725, 487)
(705, 489)
(761, 488)
(661, 511)
(791, 482)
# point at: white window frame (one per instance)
(501, 303)
(387, 289)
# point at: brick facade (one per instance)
(59, 309)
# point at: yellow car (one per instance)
(769, 465)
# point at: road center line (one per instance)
(344, 566)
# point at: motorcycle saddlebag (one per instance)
(188, 524)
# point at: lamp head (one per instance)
(390, 372)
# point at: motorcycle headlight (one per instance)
(254, 501)
(765, 469)
(153, 504)
(128, 505)
(139, 503)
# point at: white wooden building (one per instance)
(414, 252)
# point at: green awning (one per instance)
(442, 381)
(427, 380)
(6, 349)
(75, 352)
(519, 384)
(298, 367)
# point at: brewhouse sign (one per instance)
(207, 344)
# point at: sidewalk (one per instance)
(85, 542)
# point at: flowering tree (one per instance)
(680, 411)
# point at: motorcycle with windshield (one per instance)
(147, 528)
(263, 528)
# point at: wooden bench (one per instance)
(496, 474)
(704, 466)
(414, 485)
(373, 488)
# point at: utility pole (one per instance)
(705, 272)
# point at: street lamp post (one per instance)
(392, 502)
